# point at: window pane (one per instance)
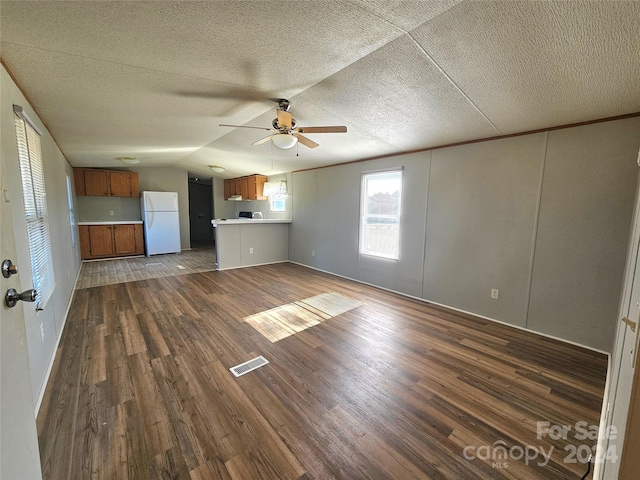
(380, 214)
(35, 205)
(278, 204)
(72, 217)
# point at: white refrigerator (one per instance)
(161, 222)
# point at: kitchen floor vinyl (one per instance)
(97, 273)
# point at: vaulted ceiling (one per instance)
(155, 79)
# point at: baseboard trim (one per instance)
(542, 334)
(43, 388)
(254, 265)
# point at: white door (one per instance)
(19, 455)
(622, 364)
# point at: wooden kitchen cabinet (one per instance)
(249, 187)
(124, 184)
(106, 183)
(244, 188)
(256, 187)
(124, 239)
(236, 186)
(104, 241)
(96, 183)
(231, 188)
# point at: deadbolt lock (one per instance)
(8, 268)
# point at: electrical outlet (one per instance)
(494, 293)
(111, 212)
(251, 251)
(313, 253)
(42, 332)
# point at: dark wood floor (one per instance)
(394, 388)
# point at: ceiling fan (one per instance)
(285, 130)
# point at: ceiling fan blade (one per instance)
(244, 126)
(284, 118)
(306, 142)
(262, 140)
(334, 129)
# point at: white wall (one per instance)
(93, 208)
(544, 218)
(169, 179)
(586, 213)
(480, 225)
(221, 208)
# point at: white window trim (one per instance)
(277, 197)
(72, 215)
(363, 215)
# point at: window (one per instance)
(278, 204)
(72, 217)
(381, 197)
(277, 193)
(35, 205)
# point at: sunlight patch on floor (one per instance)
(286, 320)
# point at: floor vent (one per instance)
(249, 365)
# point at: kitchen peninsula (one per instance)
(247, 242)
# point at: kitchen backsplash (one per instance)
(92, 209)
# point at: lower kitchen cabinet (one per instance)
(104, 241)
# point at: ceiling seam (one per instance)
(452, 82)
(430, 58)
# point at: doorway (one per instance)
(201, 211)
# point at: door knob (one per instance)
(12, 296)
(8, 268)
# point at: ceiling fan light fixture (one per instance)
(129, 160)
(284, 140)
(217, 169)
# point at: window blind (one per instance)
(35, 206)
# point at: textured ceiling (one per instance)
(154, 79)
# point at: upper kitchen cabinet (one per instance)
(256, 187)
(248, 188)
(124, 184)
(106, 183)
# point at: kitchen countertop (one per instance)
(235, 221)
(112, 222)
